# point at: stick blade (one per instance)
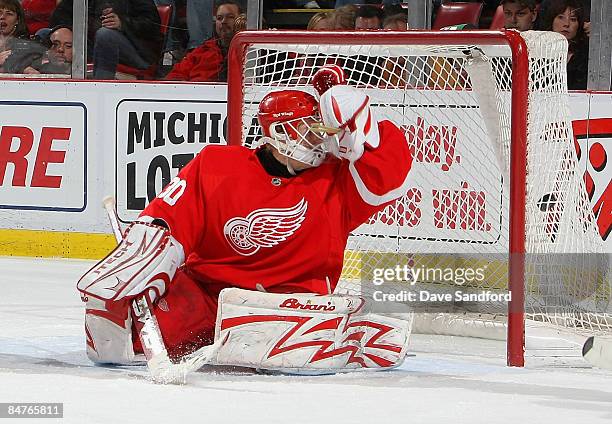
(164, 371)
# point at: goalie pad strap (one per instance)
(306, 333)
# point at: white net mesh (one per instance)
(454, 104)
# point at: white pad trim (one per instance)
(305, 333)
(109, 335)
(107, 342)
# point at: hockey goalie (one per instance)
(244, 248)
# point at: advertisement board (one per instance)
(43, 156)
(66, 145)
(154, 140)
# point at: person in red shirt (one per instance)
(209, 61)
(273, 219)
(38, 13)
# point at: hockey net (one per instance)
(498, 201)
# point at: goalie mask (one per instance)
(289, 118)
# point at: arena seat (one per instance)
(456, 13)
(498, 18)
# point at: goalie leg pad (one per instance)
(109, 333)
(304, 333)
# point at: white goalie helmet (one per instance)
(289, 119)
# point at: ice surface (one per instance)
(445, 380)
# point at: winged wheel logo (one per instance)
(264, 228)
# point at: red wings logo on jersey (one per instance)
(264, 228)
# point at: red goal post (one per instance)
(262, 61)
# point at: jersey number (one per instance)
(173, 191)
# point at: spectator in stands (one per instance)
(173, 42)
(121, 32)
(310, 4)
(344, 17)
(396, 22)
(587, 18)
(38, 13)
(58, 59)
(321, 21)
(199, 21)
(209, 61)
(240, 23)
(393, 9)
(519, 14)
(61, 45)
(363, 68)
(586, 5)
(14, 33)
(567, 17)
(340, 3)
(368, 17)
(394, 73)
(12, 23)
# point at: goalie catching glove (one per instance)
(143, 263)
(346, 111)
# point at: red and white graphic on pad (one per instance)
(264, 228)
(362, 343)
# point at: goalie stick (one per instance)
(597, 351)
(162, 369)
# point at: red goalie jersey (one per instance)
(240, 226)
